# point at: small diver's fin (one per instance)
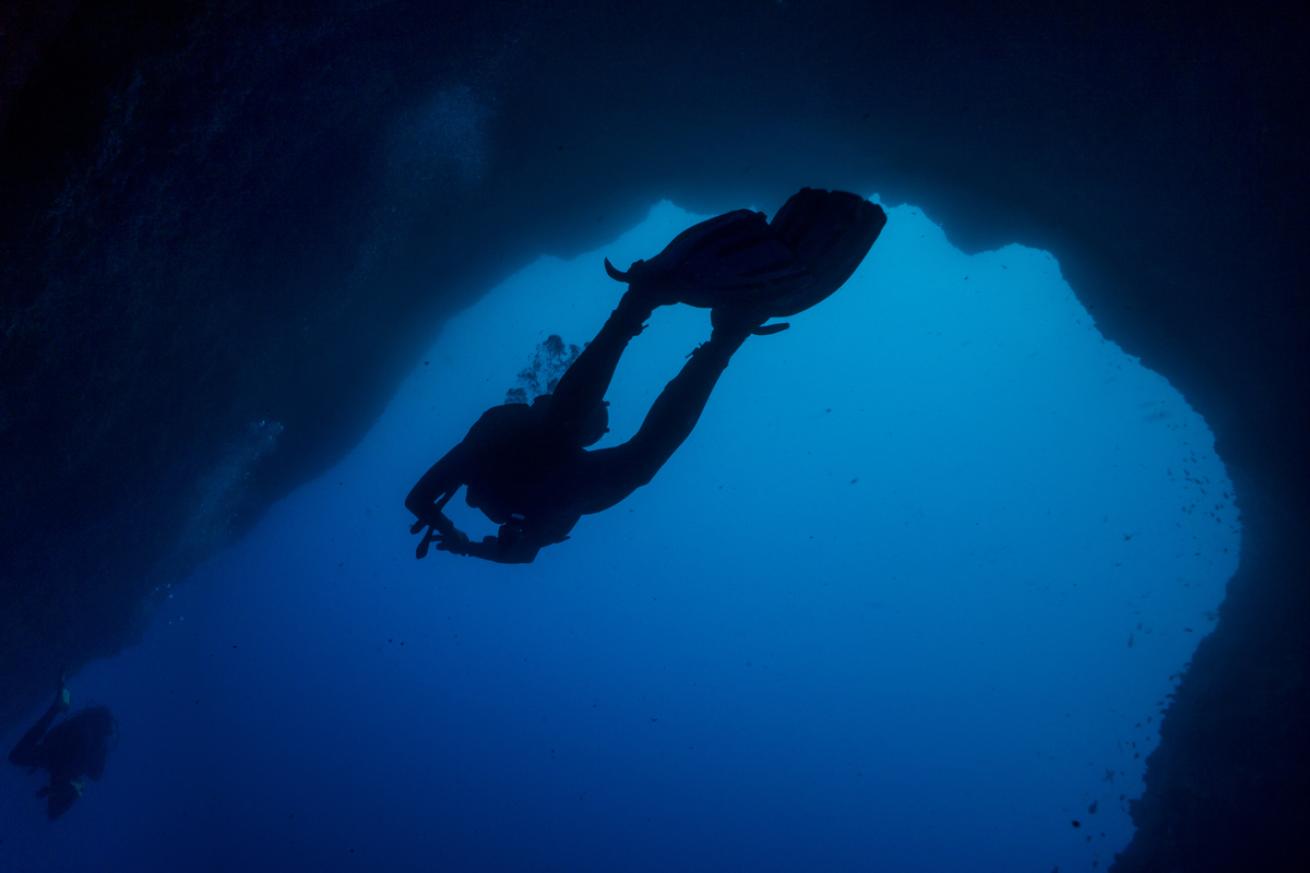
(615, 273)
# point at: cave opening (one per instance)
(972, 544)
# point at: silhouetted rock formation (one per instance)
(222, 225)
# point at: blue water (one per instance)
(909, 599)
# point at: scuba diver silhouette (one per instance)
(69, 752)
(527, 468)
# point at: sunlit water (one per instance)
(909, 599)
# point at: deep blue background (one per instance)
(875, 615)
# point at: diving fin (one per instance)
(726, 258)
(740, 261)
(829, 233)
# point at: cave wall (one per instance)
(228, 231)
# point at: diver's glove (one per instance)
(421, 551)
(438, 527)
(454, 541)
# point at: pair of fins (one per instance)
(740, 260)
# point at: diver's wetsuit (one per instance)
(69, 752)
(525, 466)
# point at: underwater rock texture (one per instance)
(226, 234)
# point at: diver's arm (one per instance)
(431, 493)
(27, 753)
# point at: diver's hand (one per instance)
(434, 526)
(454, 541)
(421, 551)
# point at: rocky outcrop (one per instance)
(226, 235)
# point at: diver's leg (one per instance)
(584, 383)
(612, 474)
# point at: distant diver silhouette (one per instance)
(526, 465)
(69, 752)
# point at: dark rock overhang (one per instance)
(217, 218)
